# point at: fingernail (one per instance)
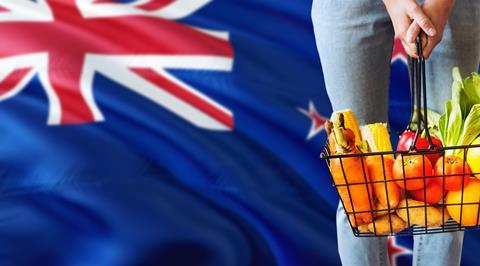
(431, 31)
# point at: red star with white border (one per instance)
(395, 250)
(398, 52)
(318, 121)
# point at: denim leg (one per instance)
(355, 40)
(438, 249)
(459, 47)
(359, 251)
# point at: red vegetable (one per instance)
(406, 140)
(433, 190)
(454, 169)
(410, 171)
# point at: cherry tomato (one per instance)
(406, 140)
(414, 176)
(454, 173)
(433, 190)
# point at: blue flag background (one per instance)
(146, 187)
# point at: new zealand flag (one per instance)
(168, 132)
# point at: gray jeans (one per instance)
(354, 40)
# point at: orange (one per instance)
(471, 194)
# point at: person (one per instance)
(355, 40)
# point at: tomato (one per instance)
(433, 190)
(414, 177)
(406, 140)
(454, 173)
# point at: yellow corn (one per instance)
(377, 137)
(351, 123)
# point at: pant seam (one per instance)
(382, 251)
(419, 249)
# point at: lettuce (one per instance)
(459, 95)
(460, 124)
(471, 129)
(471, 87)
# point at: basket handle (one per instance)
(418, 88)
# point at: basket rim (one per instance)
(325, 153)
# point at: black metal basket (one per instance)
(416, 212)
(411, 229)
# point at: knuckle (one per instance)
(413, 9)
(424, 21)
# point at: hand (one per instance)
(402, 12)
(438, 11)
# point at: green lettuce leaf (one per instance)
(471, 128)
(455, 123)
(460, 98)
(443, 127)
(460, 124)
(471, 87)
(456, 74)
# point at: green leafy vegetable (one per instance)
(442, 127)
(460, 124)
(455, 123)
(471, 129)
(459, 97)
(472, 89)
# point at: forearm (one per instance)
(447, 4)
(444, 7)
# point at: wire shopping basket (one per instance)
(455, 210)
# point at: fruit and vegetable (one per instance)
(473, 158)
(468, 206)
(412, 188)
(347, 171)
(381, 226)
(407, 138)
(417, 211)
(459, 125)
(432, 194)
(409, 171)
(456, 171)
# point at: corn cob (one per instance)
(377, 137)
(350, 122)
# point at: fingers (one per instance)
(410, 49)
(423, 21)
(428, 49)
(412, 32)
(424, 39)
(410, 39)
(401, 25)
(428, 43)
(409, 21)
